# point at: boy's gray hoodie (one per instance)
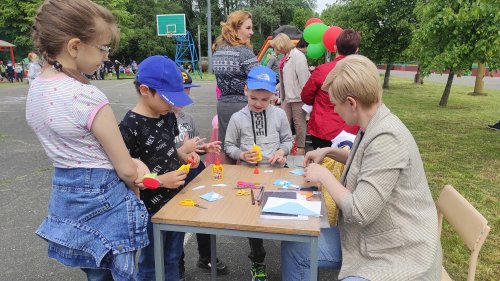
(268, 129)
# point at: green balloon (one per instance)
(314, 32)
(315, 51)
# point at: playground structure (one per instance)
(174, 26)
(291, 31)
(8, 47)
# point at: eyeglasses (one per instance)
(103, 48)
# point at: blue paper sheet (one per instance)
(211, 196)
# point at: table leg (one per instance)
(314, 259)
(213, 257)
(159, 255)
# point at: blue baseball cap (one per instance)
(262, 78)
(163, 75)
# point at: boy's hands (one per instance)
(279, 156)
(172, 179)
(249, 156)
(192, 145)
(211, 147)
(194, 159)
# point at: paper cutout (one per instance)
(292, 207)
(212, 196)
(282, 182)
(298, 172)
(199, 187)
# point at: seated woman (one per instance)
(387, 221)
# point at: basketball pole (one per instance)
(209, 35)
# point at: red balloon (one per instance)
(312, 20)
(330, 36)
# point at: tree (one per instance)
(16, 19)
(385, 26)
(452, 35)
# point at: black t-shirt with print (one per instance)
(152, 140)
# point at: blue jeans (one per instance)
(295, 256)
(97, 274)
(173, 246)
(354, 278)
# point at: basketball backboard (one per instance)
(172, 24)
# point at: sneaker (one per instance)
(205, 264)
(258, 272)
(495, 127)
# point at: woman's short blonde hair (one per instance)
(355, 76)
(229, 30)
(282, 43)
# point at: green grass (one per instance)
(8, 84)
(206, 77)
(458, 149)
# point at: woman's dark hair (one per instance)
(58, 21)
(348, 42)
(302, 43)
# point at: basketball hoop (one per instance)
(170, 34)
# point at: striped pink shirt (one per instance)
(61, 110)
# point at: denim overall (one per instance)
(94, 221)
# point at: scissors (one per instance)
(190, 202)
(245, 184)
(242, 193)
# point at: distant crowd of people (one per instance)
(17, 72)
(109, 67)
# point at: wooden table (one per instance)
(232, 215)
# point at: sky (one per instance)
(321, 5)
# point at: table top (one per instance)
(234, 212)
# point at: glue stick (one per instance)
(259, 152)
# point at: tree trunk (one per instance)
(387, 75)
(418, 77)
(479, 85)
(447, 89)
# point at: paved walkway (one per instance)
(25, 176)
(489, 82)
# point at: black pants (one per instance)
(202, 239)
(257, 251)
(319, 143)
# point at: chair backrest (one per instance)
(470, 225)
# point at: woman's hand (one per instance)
(249, 156)
(315, 172)
(279, 156)
(315, 156)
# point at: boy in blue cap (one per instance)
(149, 131)
(189, 140)
(267, 126)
